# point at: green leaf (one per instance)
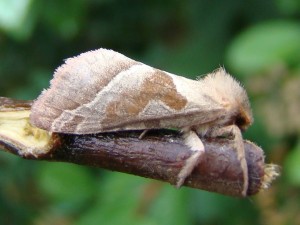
(292, 166)
(66, 184)
(126, 199)
(288, 7)
(265, 45)
(64, 16)
(15, 18)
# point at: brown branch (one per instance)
(159, 155)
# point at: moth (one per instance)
(104, 91)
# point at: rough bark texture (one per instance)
(160, 155)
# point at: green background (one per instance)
(257, 41)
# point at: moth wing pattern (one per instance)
(103, 90)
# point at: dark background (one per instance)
(257, 41)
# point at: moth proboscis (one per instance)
(104, 91)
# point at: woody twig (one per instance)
(160, 154)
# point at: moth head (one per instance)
(244, 117)
(227, 91)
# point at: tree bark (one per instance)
(160, 154)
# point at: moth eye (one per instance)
(241, 122)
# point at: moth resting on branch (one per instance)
(104, 91)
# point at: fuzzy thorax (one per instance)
(223, 88)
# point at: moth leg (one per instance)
(235, 132)
(192, 140)
(143, 134)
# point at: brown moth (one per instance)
(103, 91)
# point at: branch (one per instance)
(160, 154)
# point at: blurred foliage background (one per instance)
(257, 41)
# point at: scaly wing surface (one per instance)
(103, 90)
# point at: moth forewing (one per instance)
(103, 90)
(140, 97)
